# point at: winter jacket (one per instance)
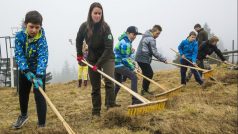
(202, 36)
(100, 45)
(31, 54)
(189, 50)
(207, 49)
(147, 49)
(123, 52)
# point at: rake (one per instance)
(138, 109)
(169, 93)
(66, 125)
(220, 60)
(152, 81)
(207, 73)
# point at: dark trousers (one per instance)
(24, 92)
(121, 72)
(95, 79)
(200, 64)
(183, 71)
(148, 72)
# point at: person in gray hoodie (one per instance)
(145, 51)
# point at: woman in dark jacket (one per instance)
(97, 35)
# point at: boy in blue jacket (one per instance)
(124, 66)
(188, 49)
(31, 54)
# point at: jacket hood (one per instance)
(148, 34)
(123, 36)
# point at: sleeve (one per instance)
(195, 52)
(219, 53)
(79, 40)
(42, 61)
(155, 52)
(108, 41)
(19, 54)
(180, 48)
(127, 61)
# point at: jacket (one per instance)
(147, 49)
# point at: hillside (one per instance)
(193, 110)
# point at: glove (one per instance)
(79, 58)
(94, 68)
(38, 83)
(30, 76)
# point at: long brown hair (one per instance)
(90, 23)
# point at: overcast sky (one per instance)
(62, 18)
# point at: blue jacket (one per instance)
(189, 50)
(31, 54)
(123, 52)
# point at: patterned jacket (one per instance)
(31, 54)
(123, 52)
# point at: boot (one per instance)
(85, 82)
(80, 83)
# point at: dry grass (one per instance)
(193, 110)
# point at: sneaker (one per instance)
(113, 106)
(144, 92)
(21, 120)
(40, 125)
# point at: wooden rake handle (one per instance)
(220, 61)
(204, 70)
(142, 99)
(160, 86)
(66, 125)
(187, 59)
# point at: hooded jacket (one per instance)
(188, 49)
(31, 54)
(147, 49)
(123, 52)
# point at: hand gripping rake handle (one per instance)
(142, 99)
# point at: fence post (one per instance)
(233, 48)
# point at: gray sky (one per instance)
(62, 19)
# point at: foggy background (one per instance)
(62, 18)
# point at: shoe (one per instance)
(113, 106)
(79, 83)
(40, 125)
(85, 82)
(21, 120)
(144, 92)
(96, 114)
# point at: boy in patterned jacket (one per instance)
(123, 63)
(31, 54)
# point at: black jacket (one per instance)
(202, 36)
(100, 45)
(207, 49)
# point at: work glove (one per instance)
(30, 76)
(38, 83)
(80, 58)
(94, 68)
